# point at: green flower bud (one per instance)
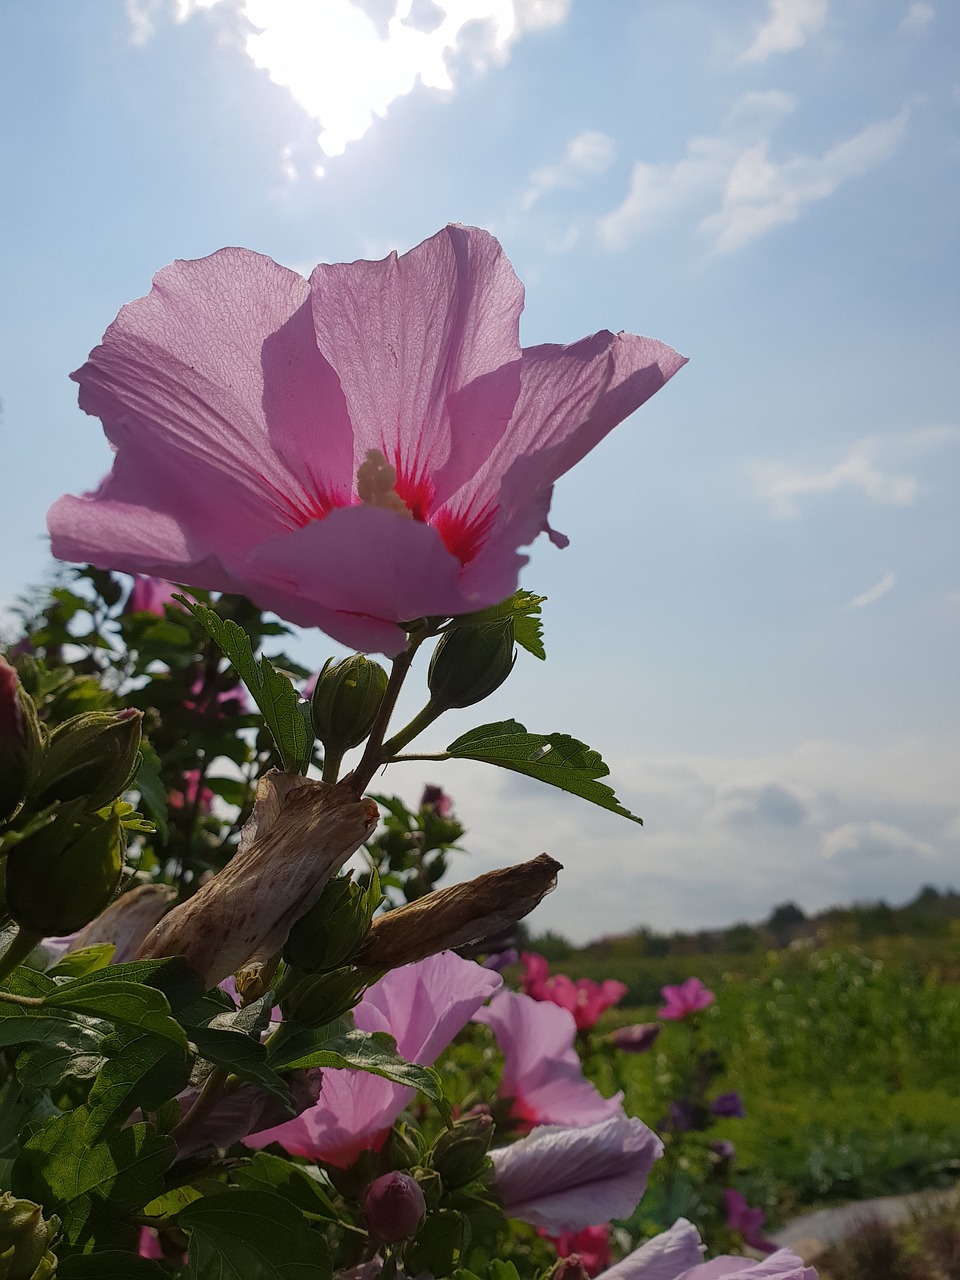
(332, 930)
(63, 875)
(25, 1240)
(470, 662)
(460, 1153)
(92, 756)
(346, 699)
(315, 999)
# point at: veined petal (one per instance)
(566, 1179)
(666, 1257)
(427, 350)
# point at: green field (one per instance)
(846, 1058)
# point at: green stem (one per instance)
(373, 755)
(417, 755)
(331, 766)
(419, 722)
(22, 943)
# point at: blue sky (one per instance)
(757, 618)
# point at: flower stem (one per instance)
(419, 722)
(373, 753)
(22, 943)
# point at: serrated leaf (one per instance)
(61, 1168)
(554, 758)
(372, 1051)
(273, 693)
(59, 1049)
(141, 1070)
(126, 1003)
(527, 623)
(241, 1055)
(266, 1172)
(252, 1235)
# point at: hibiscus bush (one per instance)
(221, 1042)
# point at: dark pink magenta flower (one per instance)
(689, 997)
(192, 794)
(542, 1074)
(367, 447)
(591, 1246)
(729, 1105)
(422, 1006)
(437, 799)
(585, 999)
(149, 595)
(747, 1221)
(567, 1179)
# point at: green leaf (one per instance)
(61, 1167)
(77, 964)
(273, 693)
(252, 1235)
(141, 1070)
(242, 1056)
(126, 1003)
(555, 758)
(527, 624)
(332, 1046)
(266, 1172)
(59, 1049)
(110, 1264)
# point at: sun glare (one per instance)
(345, 69)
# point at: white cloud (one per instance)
(760, 193)
(874, 593)
(587, 153)
(870, 466)
(789, 25)
(345, 69)
(872, 840)
(918, 17)
(733, 170)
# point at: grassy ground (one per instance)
(846, 1061)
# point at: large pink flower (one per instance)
(367, 447)
(542, 1074)
(422, 1006)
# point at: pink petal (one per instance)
(427, 349)
(566, 1179)
(541, 1069)
(665, 1257)
(782, 1265)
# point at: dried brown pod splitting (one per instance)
(299, 834)
(453, 917)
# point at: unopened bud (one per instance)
(91, 755)
(313, 999)
(637, 1038)
(332, 930)
(394, 1207)
(346, 699)
(25, 1240)
(450, 918)
(470, 662)
(63, 875)
(461, 1152)
(299, 834)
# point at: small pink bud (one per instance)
(394, 1207)
(637, 1038)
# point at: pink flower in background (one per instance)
(367, 447)
(192, 794)
(689, 997)
(591, 1245)
(638, 1038)
(747, 1221)
(149, 595)
(422, 1006)
(12, 734)
(438, 800)
(585, 999)
(567, 1179)
(541, 1070)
